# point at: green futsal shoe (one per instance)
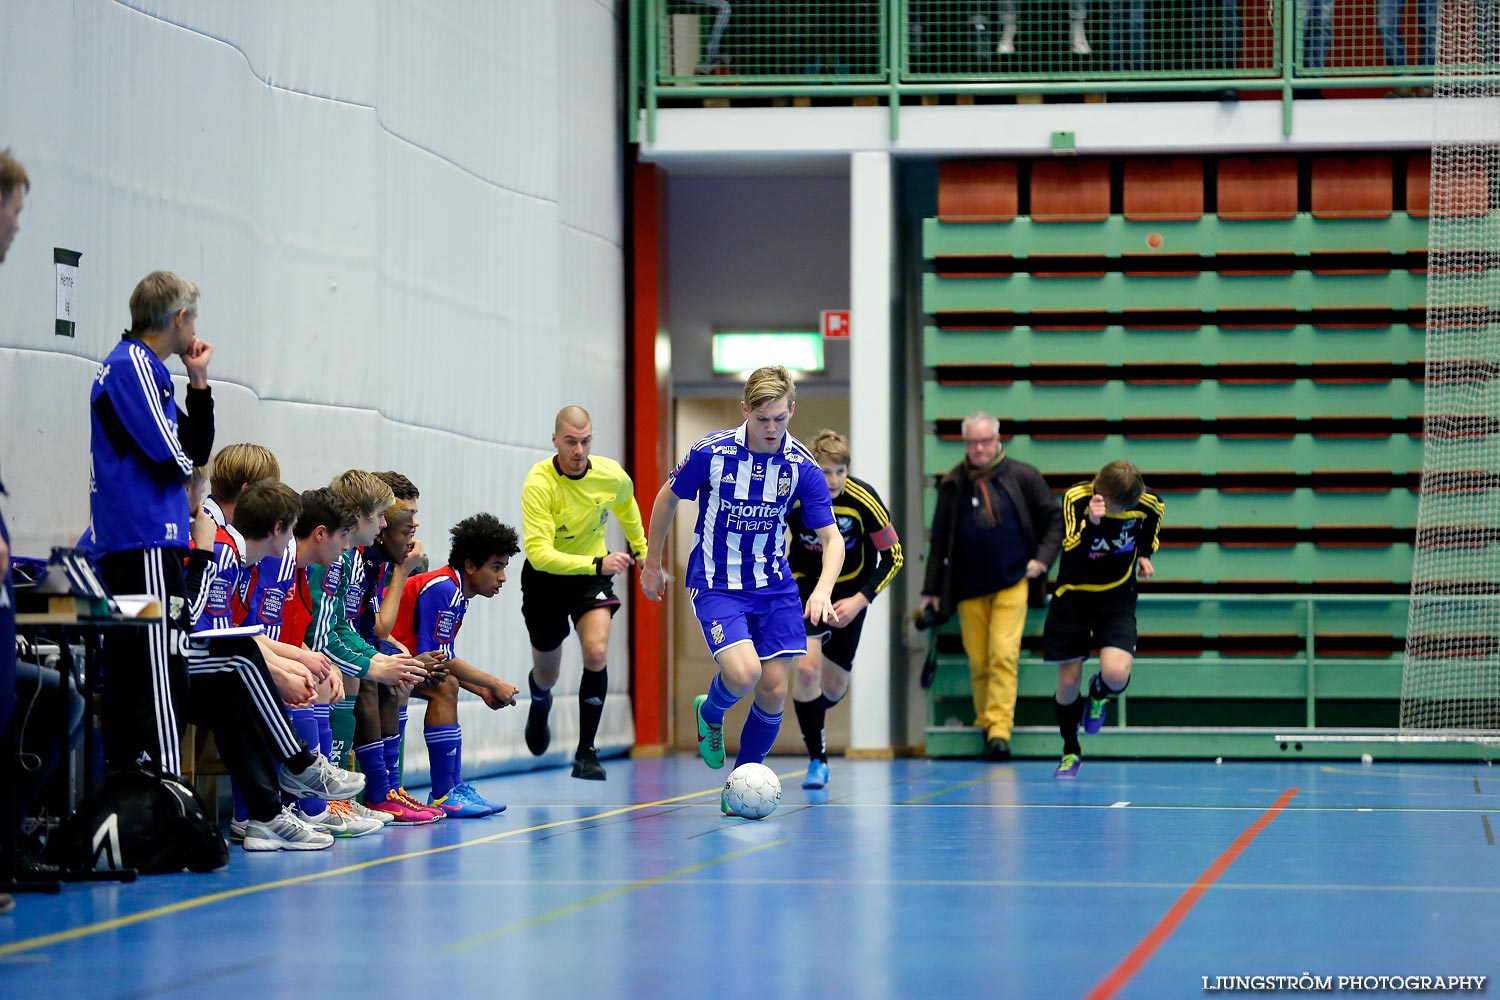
(710, 736)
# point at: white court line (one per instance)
(1471, 890)
(1135, 807)
(1120, 805)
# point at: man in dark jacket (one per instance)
(996, 529)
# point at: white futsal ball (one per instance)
(752, 791)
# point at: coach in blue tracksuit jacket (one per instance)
(14, 185)
(142, 450)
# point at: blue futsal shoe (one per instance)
(817, 774)
(473, 796)
(1069, 766)
(459, 806)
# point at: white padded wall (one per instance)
(406, 220)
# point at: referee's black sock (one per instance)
(538, 734)
(591, 692)
(1068, 717)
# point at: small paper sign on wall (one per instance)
(835, 323)
(66, 264)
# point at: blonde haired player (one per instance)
(746, 480)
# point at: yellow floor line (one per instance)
(954, 788)
(564, 911)
(88, 930)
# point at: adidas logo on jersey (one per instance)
(727, 478)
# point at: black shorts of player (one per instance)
(839, 644)
(549, 600)
(1079, 621)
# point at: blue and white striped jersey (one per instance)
(263, 589)
(432, 611)
(743, 499)
(229, 548)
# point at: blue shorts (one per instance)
(772, 622)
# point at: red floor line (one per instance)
(1141, 953)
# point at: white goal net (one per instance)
(1451, 677)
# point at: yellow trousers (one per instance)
(991, 626)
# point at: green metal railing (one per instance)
(901, 50)
(1214, 685)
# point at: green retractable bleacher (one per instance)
(1249, 331)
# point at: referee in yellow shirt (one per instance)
(565, 506)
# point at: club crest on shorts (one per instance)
(716, 631)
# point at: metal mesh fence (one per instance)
(1354, 37)
(922, 41)
(1072, 39)
(784, 40)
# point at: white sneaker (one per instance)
(299, 816)
(285, 832)
(364, 811)
(1007, 46)
(1081, 45)
(237, 830)
(339, 819)
(322, 780)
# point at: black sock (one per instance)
(1098, 689)
(300, 761)
(1068, 717)
(537, 694)
(591, 692)
(810, 716)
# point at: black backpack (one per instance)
(146, 819)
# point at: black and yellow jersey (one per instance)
(872, 552)
(1102, 557)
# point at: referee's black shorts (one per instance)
(549, 601)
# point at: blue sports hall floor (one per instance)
(912, 878)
